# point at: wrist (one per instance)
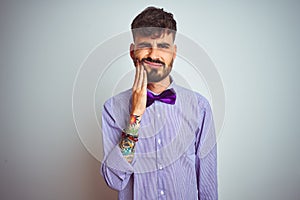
(135, 119)
(137, 113)
(133, 125)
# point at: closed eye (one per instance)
(163, 45)
(143, 45)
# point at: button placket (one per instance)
(159, 141)
(159, 157)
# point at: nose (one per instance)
(153, 53)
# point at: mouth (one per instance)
(153, 64)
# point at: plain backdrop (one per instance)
(255, 46)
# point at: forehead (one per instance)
(163, 38)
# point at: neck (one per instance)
(159, 87)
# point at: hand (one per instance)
(139, 91)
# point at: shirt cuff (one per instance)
(116, 161)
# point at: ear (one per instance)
(175, 51)
(132, 51)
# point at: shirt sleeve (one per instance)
(206, 156)
(115, 169)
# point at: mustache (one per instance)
(151, 60)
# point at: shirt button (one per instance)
(162, 192)
(158, 141)
(158, 115)
(160, 167)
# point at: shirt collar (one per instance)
(172, 86)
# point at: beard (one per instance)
(157, 75)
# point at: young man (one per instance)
(154, 133)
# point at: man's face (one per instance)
(155, 54)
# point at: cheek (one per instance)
(140, 54)
(168, 57)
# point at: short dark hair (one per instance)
(153, 22)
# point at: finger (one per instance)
(137, 74)
(144, 79)
(141, 77)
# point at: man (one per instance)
(155, 133)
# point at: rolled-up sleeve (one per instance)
(115, 168)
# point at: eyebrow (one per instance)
(163, 44)
(158, 44)
(144, 44)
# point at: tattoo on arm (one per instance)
(129, 138)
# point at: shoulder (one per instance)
(192, 97)
(120, 100)
(117, 107)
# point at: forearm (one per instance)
(130, 137)
(139, 98)
(115, 170)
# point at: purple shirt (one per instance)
(176, 155)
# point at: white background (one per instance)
(254, 44)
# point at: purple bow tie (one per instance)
(167, 96)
